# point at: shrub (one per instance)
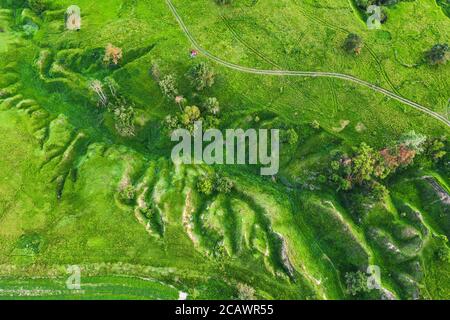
(201, 76)
(205, 185)
(435, 148)
(189, 116)
(38, 6)
(124, 121)
(379, 191)
(123, 117)
(356, 282)
(289, 136)
(127, 194)
(30, 29)
(438, 54)
(353, 44)
(112, 85)
(168, 86)
(315, 125)
(155, 71)
(441, 254)
(245, 292)
(212, 106)
(171, 123)
(223, 184)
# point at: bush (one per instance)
(171, 123)
(438, 54)
(212, 106)
(356, 282)
(38, 6)
(205, 185)
(379, 191)
(245, 292)
(127, 194)
(289, 136)
(441, 254)
(190, 115)
(123, 117)
(353, 44)
(112, 55)
(201, 76)
(436, 148)
(30, 29)
(315, 125)
(168, 86)
(223, 185)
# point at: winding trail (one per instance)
(312, 74)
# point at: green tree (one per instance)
(171, 123)
(124, 121)
(441, 253)
(201, 76)
(38, 6)
(127, 194)
(212, 106)
(435, 148)
(168, 86)
(189, 116)
(245, 292)
(211, 122)
(335, 165)
(315, 125)
(289, 136)
(345, 184)
(379, 191)
(205, 185)
(353, 44)
(223, 184)
(356, 282)
(363, 163)
(438, 54)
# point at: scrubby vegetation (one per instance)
(207, 184)
(356, 282)
(438, 54)
(201, 76)
(367, 167)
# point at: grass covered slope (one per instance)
(75, 189)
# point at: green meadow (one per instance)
(76, 190)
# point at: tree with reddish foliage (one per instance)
(398, 156)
